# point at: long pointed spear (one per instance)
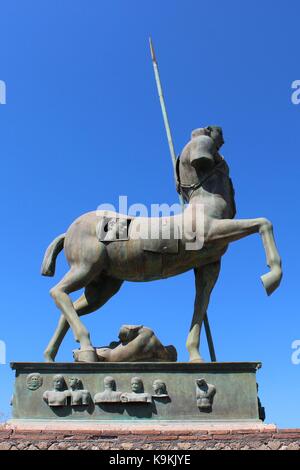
(165, 115)
(173, 157)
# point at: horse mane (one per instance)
(232, 194)
(231, 189)
(183, 190)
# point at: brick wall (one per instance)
(267, 438)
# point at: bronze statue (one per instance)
(101, 267)
(137, 343)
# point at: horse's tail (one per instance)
(48, 264)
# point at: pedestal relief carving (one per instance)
(109, 395)
(205, 393)
(159, 389)
(126, 392)
(34, 381)
(78, 395)
(137, 394)
(59, 395)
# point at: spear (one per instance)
(165, 115)
(173, 157)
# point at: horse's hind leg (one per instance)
(75, 279)
(205, 280)
(96, 294)
(226, 231)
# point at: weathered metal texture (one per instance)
(235, 398)
(137, 343)
(101, 267)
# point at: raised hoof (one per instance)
(85, 355)
(271, 280)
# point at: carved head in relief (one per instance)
(159, 387)
(75, 383)
(137, 385)
(58, 382)
(109, 383)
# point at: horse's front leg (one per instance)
(226, 231)
(96, 294)
(205, 279)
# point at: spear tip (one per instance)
(152, 50)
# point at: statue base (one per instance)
(171, 392)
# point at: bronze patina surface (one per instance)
(100, 265)
(137, 343)
(208, 392)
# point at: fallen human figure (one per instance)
(137, 344)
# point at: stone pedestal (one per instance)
(130, 436)
(170, 392)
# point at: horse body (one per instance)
(127, 260)
(206, 223)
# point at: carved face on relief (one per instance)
(109, 383)
(58, 382)
(136, 385)
(159, 387)
(74, 383)
(34, 381)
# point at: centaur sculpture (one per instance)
(101, 260)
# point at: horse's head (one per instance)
(215, 132)
(200, 163)
(200, 154)
(204, 146)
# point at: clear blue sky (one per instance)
(82, 125)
